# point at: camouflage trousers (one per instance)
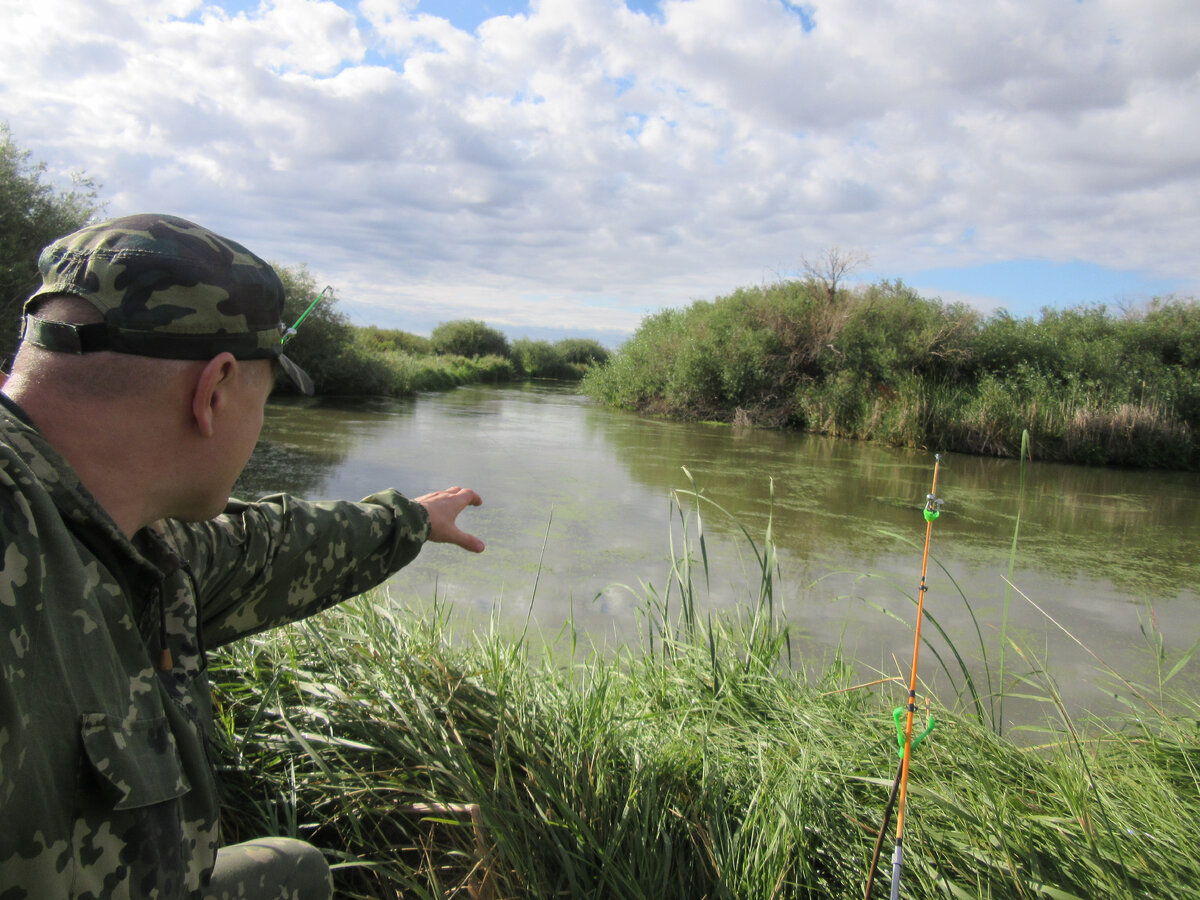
(272, 868)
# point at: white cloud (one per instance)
(581, 151)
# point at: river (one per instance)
(578, 502)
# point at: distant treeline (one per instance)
(354, 360)
(883, 363)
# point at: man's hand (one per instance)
(443, 508)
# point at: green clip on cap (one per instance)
(166, 288)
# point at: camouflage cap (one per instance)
(166, 288)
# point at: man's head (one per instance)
(146, 359)
(165, 288)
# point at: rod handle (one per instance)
(897, 865)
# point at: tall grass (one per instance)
(398, 373)
(388, 367)
(699, 764)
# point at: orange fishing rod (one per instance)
(905, 737)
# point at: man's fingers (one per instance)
(467, 541)
(443, 508)
(472, 498)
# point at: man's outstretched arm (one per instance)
(281, 559)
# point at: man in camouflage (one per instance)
(135, 399)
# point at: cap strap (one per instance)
(63, 337)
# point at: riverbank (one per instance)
(700, 764)
(367, 361)
(885, 364)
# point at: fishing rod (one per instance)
(906, 741)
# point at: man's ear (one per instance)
(209, 393)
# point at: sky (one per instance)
(567, 167)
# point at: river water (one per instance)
(580, 523)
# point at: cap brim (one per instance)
(298, 375)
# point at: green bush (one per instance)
(582, 351)
(891, 332)
(568, 359)
(486, 369)
(468, 337)
(324, 345)
(392, 340)
(541, 359)
(884, 363)
(636, 376)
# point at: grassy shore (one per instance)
(366, 365)
(344, 359)
(698, 764)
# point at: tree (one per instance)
(32, 214)
(323, 344)
(830, 268)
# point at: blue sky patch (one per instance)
(1023, 287)
(468, 15)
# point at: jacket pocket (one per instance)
(138, 762)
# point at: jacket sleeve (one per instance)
(259, 565)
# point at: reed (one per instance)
(700, 763)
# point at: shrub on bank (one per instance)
(393, 340)
(405, 374)
(468, 337)
(764, 350)
(582, 351)
(350, 361)
(884, 363)
(326, 344)
(566, 360)
(540, 359)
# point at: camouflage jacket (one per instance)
(106, 789)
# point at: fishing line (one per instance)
(906, 741)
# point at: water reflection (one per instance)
(577, 504)
(1128, 526)
(306, 440)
